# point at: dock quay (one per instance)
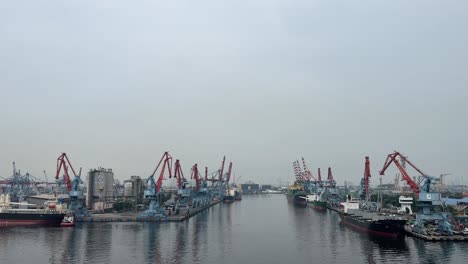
(135, 217)
(409, 231)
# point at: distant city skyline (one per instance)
(114, 84)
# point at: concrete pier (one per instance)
(459, 237)
(135, 217)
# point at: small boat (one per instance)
(68, 221)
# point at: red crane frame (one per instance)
(64, 163)
(229, 172)
(178, 174)
(393, 158)
(367, 174)
(196, 175)
(166, 160)
(330, 176)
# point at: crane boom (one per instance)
(63, 163)
(166, 161)
(393, 158)
(367, 175)
(330, 176)
(229, 172)
(178, 174)
(222, 169)
(196, 175)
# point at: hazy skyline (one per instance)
(116, 83)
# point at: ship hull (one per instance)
(318, 205)
(384, 228)
(30, 219)
(300, 200)
(228, 199)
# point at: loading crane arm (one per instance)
(196, 176)
(166, 161)
(178, 174)
(63, 163)
(393, 158)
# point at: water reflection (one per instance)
(199, 239)
(98, 245)
(434, 252)
(260, 229)
(151, 237)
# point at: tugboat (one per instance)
(10, 217)
(68, 221)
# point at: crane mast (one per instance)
(319, 176)
(393, 158)
(229, 173)
(364, 193)
(330, 177)
(196, 175)
(76, 195)
(153, 187)
(178, 174)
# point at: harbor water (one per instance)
(258, 229)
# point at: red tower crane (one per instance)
(178, 174)
(393, 158)
(222, 169)
(63, 163)
(166, 161)
(367, 175)
(229, 173)
(319, 176)
(330, 177)
(196, 175)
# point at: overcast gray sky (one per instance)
(117, 83)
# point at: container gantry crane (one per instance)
(427, 199)
(73, 185)
(153, 187)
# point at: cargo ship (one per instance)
(314, 201)
(228, 196)
(297, 195)
(374, 223)
(10, 217)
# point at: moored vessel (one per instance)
(10, 217)
(297, 195)
(313, 201)
(380, 224)
(228, 196)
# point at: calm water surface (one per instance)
(259, 229)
